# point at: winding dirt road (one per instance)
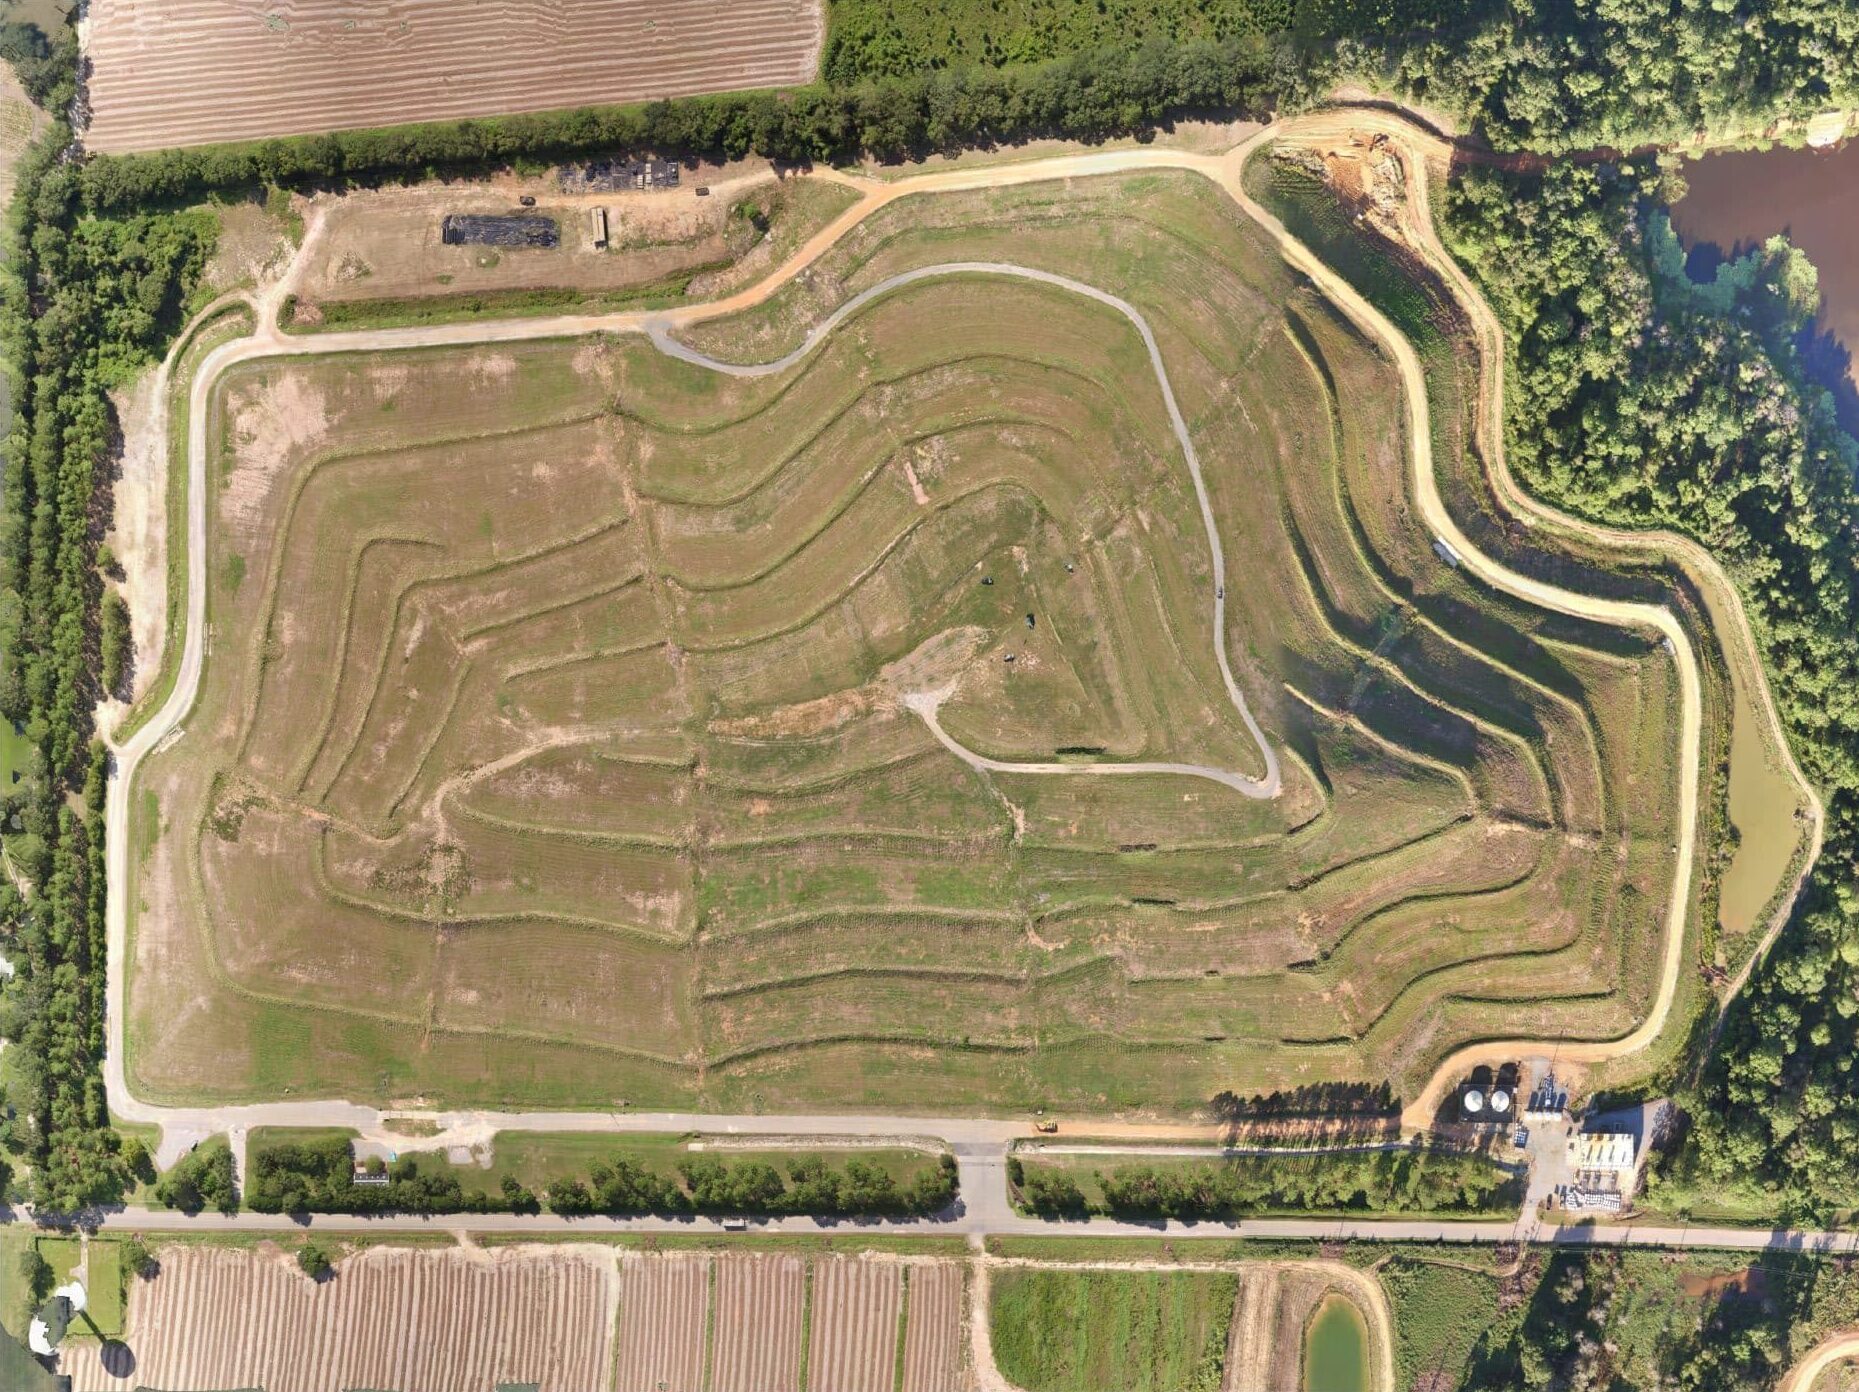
(985, 1141)
(1829, 1352)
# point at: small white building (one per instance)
(1448, 552)
(1602, 1152)
(47, 1329)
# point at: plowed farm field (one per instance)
(191, 72)
(664, 1311)
(933, 1328)
(758, 1323)
(855, 1308)
(561, 739)
(440, 1321)
(733, 1323)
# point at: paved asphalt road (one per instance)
(994, 1220)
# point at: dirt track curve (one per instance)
(1829, 1352)
(991, 1137)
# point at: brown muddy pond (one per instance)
(1740, 198)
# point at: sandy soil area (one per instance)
(140, 534)
(385, 243)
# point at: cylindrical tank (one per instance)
(1474, 1100)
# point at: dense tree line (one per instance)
(84, 301)
(1577, 74)
(202, 1178)
(1431, 1181)
(706, 1184)
(1548, 77)
(1090, 95)
(1637, 397)
(318, 1177)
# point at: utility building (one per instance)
(1602, 1152)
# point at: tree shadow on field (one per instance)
(118, 1359)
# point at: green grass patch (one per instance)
(1084, 1331)
(104, 1287)
(1440, 1312)
(412, 310)
(62, 1254)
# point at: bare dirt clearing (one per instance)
(385, 244)
(442, 1321)
(191, 72)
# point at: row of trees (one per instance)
(1426, 1181)
(1544, 77)
(317, 1176)
(1093, 94)
(1638, 397)
(84, 302)
(707, 1184)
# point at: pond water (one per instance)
(1742, 197)
(1336, 1348)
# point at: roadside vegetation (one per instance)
(85, 301)
(1635, 1320)
(1412, 1182)
(316, 1174)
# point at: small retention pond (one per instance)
(1336, 1348)
(1743, 197)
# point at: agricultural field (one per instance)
(391, 1317)
(746, 1321)
(553, 746)
(853, 1345)
(1060, 1329)
(191, 72)
(1075, 1331)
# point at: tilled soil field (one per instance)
(756, 1338)
(390, 1318)
(664, 1304)
(854, 1344)
(191, 72)
(933, 1331)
